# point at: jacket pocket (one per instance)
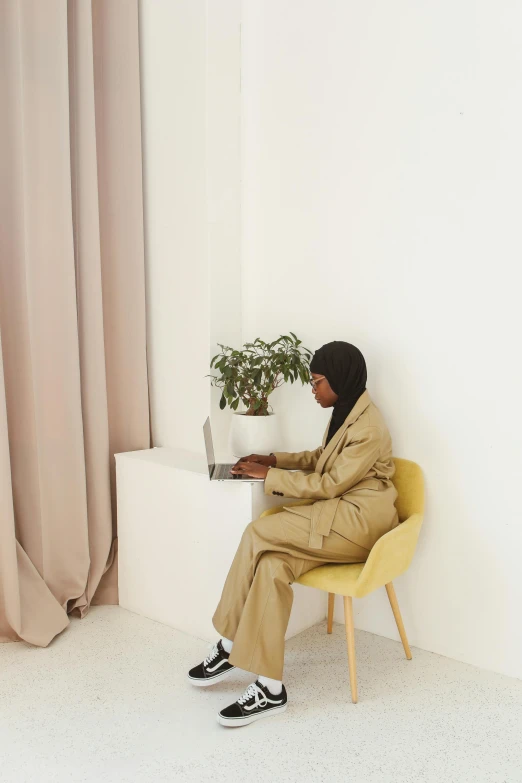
(302, 509)
(323, 513)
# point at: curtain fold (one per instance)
(73, 387)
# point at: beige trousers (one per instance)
(257, 596)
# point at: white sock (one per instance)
(227, 644)
(274, 686)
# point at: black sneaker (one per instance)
(256, 702)
(214, 668)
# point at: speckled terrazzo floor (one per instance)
(108, 701)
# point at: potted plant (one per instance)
(250, 376)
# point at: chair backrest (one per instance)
(409, 483)
(392, 554)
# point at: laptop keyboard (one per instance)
(223, 471)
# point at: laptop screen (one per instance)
(208, 446)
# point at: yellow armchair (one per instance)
(389, 558)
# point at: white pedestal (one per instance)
(177, 535)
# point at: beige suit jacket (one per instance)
(350, 479)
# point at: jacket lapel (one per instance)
(360, 406)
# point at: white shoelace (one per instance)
(212, 654)
(253, 691)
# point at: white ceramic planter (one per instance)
(253, 434)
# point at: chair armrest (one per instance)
(390, 556)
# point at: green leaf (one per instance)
(222, 403)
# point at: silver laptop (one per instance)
(220, 472)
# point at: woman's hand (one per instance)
(264, 459)
(253, 469)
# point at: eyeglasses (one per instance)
(315, 381)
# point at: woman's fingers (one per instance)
(250, 458)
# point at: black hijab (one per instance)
(345, 370)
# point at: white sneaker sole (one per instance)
(207, 682)
(252, 718)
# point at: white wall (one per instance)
(381, 205)
(223, 125)
(190, 76)
(173, 82)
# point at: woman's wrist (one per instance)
(274, 463)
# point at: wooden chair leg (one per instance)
(398, 619)
(331, 599)
(350, 639)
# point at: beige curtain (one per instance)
(73, 378)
